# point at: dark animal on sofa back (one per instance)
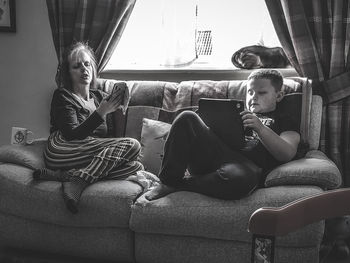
(257, 56)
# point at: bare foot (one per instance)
(159, 191)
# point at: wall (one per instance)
(27, 70)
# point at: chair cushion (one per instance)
(192, 214)
(105, 203)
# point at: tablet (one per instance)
(223, 117)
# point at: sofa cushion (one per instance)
(315, 122)
(97, 244)
(105, 203)
(314, 169)
(149, 93)
(135, 115)
(189, 249)
(30, 156)
(172, 96)
(192, 214)
(290, 105)
(153, 136)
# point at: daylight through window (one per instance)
(191, 33)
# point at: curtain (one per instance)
(99, 22)
(178, 31)
(315, 35)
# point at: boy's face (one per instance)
(261, 96)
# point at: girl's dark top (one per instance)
(255, 150)
(73, 120)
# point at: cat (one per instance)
(258, 56)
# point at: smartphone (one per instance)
(118, 90)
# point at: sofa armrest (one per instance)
(30, 156)
(279, 221)
(314, 169)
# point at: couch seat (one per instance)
(195, 215)
(103, 204)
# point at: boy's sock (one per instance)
(50, 175)
(72, 191)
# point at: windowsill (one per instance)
(189, 73)
(189, 69)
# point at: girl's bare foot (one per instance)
(159, 191)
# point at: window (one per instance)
(191, 33)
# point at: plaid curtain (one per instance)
(98, 22)
(315, 35)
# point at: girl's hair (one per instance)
(273, 75)
(73, 49)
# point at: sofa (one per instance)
(116, 223)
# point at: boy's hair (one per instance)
(273, 75)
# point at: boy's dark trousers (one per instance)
(216, 170)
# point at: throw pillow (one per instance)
(30, 156)
(153, 136)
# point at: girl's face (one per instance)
(80, 68)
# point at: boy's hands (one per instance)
(250, 120)
(283, 147)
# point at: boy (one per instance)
(217, 170)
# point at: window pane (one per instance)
(162, 32)
(140, 41)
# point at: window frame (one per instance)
(180, 74)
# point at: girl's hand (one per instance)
(117, 95)
(250, 120)
(110, 103)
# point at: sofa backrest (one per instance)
(163, 101)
